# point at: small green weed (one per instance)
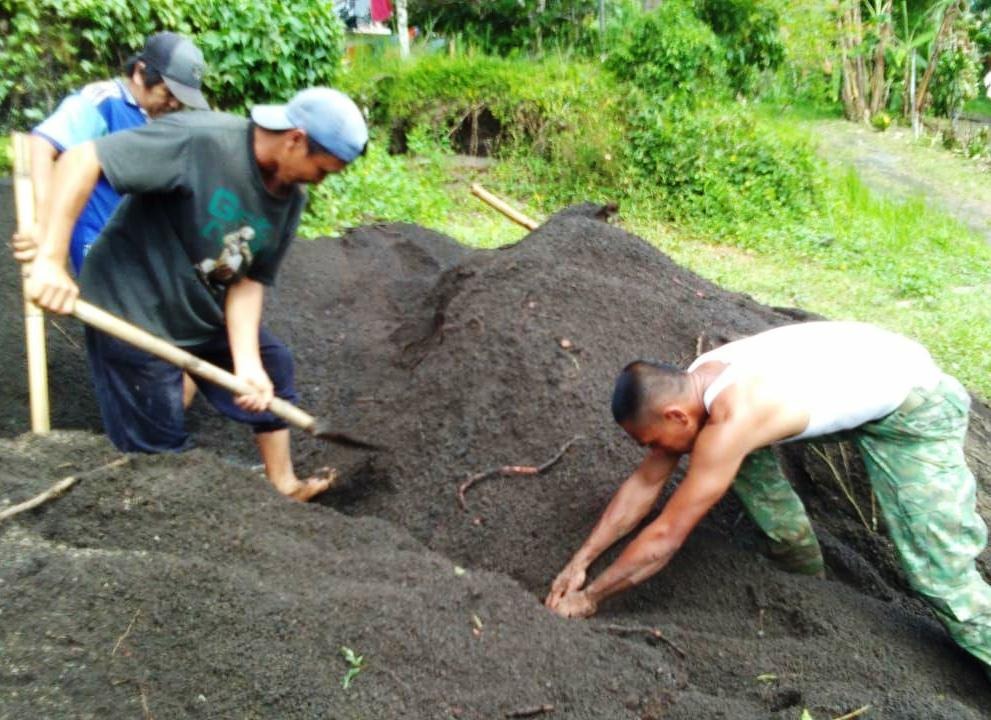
(356, 663)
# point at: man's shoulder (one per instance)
(102, 91)
(205, 122)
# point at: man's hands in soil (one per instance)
(569, 580)
(51, 287)
(257, 378)
(576, 605)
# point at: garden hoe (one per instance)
(122, 330)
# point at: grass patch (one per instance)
(6, 155)
(901, 265)
(981, 105)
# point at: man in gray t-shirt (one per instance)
(211, 204)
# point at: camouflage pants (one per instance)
(915, 461)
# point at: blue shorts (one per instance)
(140, 396)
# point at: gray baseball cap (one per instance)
(328, 116)
(181, 64)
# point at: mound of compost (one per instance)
(181, 586)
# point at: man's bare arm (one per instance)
(76, 174)
(631, 503)
(43, 157)
(243, 311)
(715, 459)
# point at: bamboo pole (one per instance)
(34, 318)
(515, 215)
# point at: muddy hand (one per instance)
(570, 580)
(576, 605)
(50, 286)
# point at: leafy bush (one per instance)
(6, 155)
(568, 114)
(670, 52)
(260, 50)
(50, 47)
(749, 31)
(504, 26)
(256, 51)
(380, 188)
(721, 163)
(958, 73)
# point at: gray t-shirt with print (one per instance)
(196, 217)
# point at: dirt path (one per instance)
(892, 163)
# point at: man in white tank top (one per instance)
(793, 383)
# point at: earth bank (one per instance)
(180, 586)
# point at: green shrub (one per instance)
(50, 47)
(749, 31)
(670, 52)
(958, 72)
(380, 188)
(255, 51)
(260, 50)
(6, 155)
(721, 163)
(569, 114)
(506, 26)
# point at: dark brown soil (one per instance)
(181, 586)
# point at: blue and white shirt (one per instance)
(99, 109)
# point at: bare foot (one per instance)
(308, 489)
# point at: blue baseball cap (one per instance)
(328, 116)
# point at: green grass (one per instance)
(901, 265)
(6, 155)
(981, 105)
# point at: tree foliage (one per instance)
(670, 52)
(256, 50)
(750, 33)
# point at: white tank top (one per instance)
(844, 373)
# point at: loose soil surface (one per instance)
(181, 586)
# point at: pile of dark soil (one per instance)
(181, 586)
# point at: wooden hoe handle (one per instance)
(502, 206)
(34, 318)
(144, 340)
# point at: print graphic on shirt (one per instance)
(236, 248)
(232, 263)
(225, 210)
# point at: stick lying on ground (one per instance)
(515, 215)
(531, 712)
(122, 330)
(58, 489)
(651, 632)
(512, 470)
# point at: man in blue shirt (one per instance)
(163, 77)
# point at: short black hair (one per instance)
(150, 75)
(639, 383)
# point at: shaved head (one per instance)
(641, 384)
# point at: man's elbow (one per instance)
(664, 539)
